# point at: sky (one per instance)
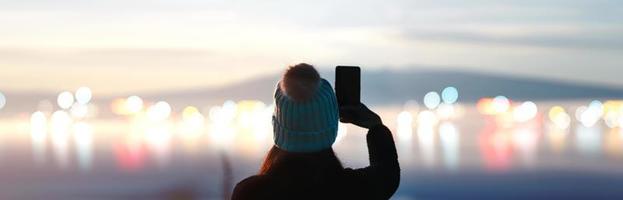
(125, 46)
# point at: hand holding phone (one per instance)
(359, 115)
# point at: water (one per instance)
(464, 156)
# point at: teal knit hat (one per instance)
(306, 126)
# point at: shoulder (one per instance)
(250, 188)
(253, 179)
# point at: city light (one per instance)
(449, 95)
(83, 133)
(500, 104)
(559, 117)
(223, 114)
(426, 141)
(557, 138)
(127, 106)
(447, 111)
(510, 135)
(404, 126)
(83, 95)
(79, 110)
(611, 119)
(158, 139)
(525, 140)
(431, 100)
(159, 111)
(590, 115)
(65, 100)
(83, 140)
(61, 122)
(525, 112)
(450, 145)
(133, 104)
(588, 140)
(427, 119)
(38, 125)
(38, 134)
(2, 100)
(193, 120)
(190, 112)
(248, 112)
(495, 147)
(613, 113)
(485, 106)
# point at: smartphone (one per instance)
(347, 85)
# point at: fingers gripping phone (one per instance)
(347, 85)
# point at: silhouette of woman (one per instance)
(302, 164)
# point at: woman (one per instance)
(302, 164)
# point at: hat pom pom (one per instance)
(300, 81)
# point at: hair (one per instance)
(279, 160)
(300, 81)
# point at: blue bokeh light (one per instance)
(449, 95)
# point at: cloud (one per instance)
(586, 40)
(200, 40)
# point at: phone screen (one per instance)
(347, 85)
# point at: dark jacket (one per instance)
(301, 180)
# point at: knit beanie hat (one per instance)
(306, 126)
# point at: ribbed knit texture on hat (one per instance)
(306, 126)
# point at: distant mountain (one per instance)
(379, 87)
(382, 87)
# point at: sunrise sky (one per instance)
(121, 46)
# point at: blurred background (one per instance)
(154, 99)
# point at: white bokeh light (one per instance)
(611, 119)
(579, 111)
(65, 100)
(192, 118)
(79, 110)
(404, 125)
(61, 121)
(525, 112)
(159, 111)
(38, 126)
(83, 144)
(427, 118)
(431, 100)
(38, 135)
(134, 104)
(591, 115)
(2, 100)
(83, 95)
(450, 144)
(559, 117)
(446, 111)
(83, 134)
(501, 104)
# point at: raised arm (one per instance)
(382, 177)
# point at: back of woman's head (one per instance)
(305, 118)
